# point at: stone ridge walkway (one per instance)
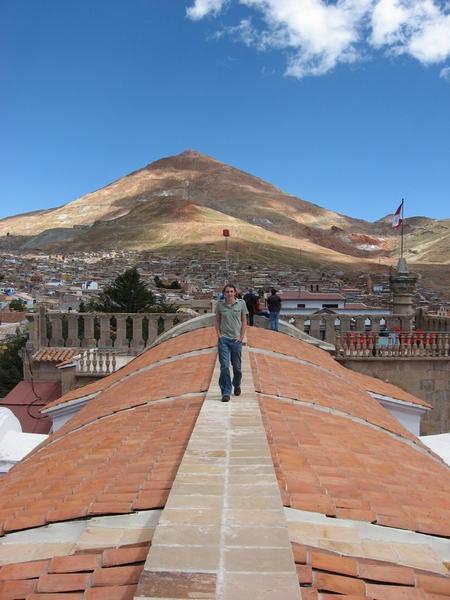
(222, 533)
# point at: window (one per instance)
(329, 306)
(301, 305)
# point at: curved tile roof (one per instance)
(112, 574)
(120, 453)
(333, 465)
(334, 449)
(119, 464)
(286, 346)
(328, 573)
(196, 340)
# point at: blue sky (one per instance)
(345, 104)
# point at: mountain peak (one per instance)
(187, 160)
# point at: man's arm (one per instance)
(218, 324)
(243, 322)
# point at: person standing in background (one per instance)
(250, 299)
(274, 306)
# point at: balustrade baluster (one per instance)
(152, 328)
(56, 323)
(121, 342)
(105, 340)
(433, 345)
(72, 331)
(88, 361)
(113, 363)
(137, 341)
(107, 362)
(89, 340)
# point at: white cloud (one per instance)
(445, 73)
(318, 34)
(201, 8)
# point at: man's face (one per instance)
(230, 295)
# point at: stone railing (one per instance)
(132, 332)
(96, 362)
(129, 332)
(327, 326)
(429, 322)
(403, 345)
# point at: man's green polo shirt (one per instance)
(231, 316)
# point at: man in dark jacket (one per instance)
(250, 299)
(274, 306)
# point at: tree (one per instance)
(11, 365)
(126, 294)
(17, 305)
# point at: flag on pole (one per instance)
(397, 219)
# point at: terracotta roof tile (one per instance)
(110, 574)
(72, 476)
(188, 342)
(388, 481)
(261, 338)
(335, 575)
(56, 355)
(16, 589)
(28, 570)
(57, 596)
(122, 592)
(278, 377)
(121, 575)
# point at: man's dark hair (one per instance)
(231, 285)
(273, 291)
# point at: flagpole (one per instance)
(401, 246)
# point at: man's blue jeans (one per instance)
(229, 350)
(274, 320)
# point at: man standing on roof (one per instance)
(274, 306)
(231, 322)
(250, 299)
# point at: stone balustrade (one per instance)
(402, 345)
(130, 332)
(327, 326)
(133, 332)
(96, 362)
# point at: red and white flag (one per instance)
(397, 218)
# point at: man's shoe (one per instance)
(225, 398)
(237, 391)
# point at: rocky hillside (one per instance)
(182, 204)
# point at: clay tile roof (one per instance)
(325, 575)
(197, 340)
(286, 346)
(333, 465)
(120, 464)
(56, 355)
(121, 452)
(335, 451)
(107, 574)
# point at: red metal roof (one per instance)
(26, 400)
